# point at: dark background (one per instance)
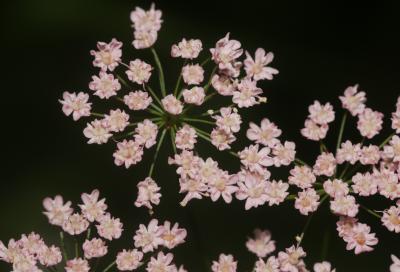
(320, 48)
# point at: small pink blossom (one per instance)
(369, 123)
(292, 259)
(353, 101)
(172, 105)
(128, 260)
(222, 185)
(370, 155)
(194, 96)
(348, 153)
(193, 187)
(228, 119)
(128, 153)
(188, 164)
(146, 20)
(192, 74)
(185, 137)
(225, 263)
(256, 159)
(139, 71)
(144, 39)
(77, 265)
(246, 94)
(302, 177)
(325, 165)
(94, 248)
(392, 150)
(361, 240)
(313, 131)
(56, 210)
(225, 53)
(323, 267)
(336, 188)
(223, 85)
(364, 184)
(161, 263)
(345, 226)
(109, 227)
(253, 191)
(307, 201)
(97, 132)
(271, 265)
(171, 237)
(321, 114)
(276, 192)
(50, 256)
(344, 205)
(117, 120)
(108, 55)
(75, 224)
(148, 238)
(396, 121)
(261, 245)
(187, 49)
(92, 208)
(148, 193)
(146, 133)
(138, 100)
(104, 85)
(76, 104)
(388, 183)
(391, 219)
(284, 154)
(257, 67)
(222, 138)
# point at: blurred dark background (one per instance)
(320, 48)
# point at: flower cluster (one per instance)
(31, 254)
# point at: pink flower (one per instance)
(148, 193)
(185, 137)
(254, 159)
(323, 267)
(56, 210)
(138, 100)
(391, 219)
(222, 184)
(146, 133)
(222, 138)
(271, 265)
(370, 155)
(50, 256)
(193, 187)
(187, 162)
(292, 259)
(93, 208)
(192, 74)
(171, 237)
(257, 67)
(335, 188)
(225, 263)
(284, 154)
(187, 49)
(109, 227)
(75, 224)
(139, 71)
(364, 184)
(321, 114)
(162, 263)
(32, 244)
(77, 265)
(76, 104)
(276, 192)
(228, 119)
(108, 55)
(148, 238)
(361, 240)
(307, 201)
(388, 183)
(225, 54)
(348, 152)
(104, 85)
(266, 134)
(97, 132)
(223, 85)
(172, 105)
(261, 245)
(395, 266)
(206, 170)
(344, 205)
(94, 248)
(246, 93)
(194, 96)
(369, 123)
(117, 120)
(396, 121)
(253, 191)
(128, 260)
(353, 100)
(10, 253)
(345, 226)
(149, 20)
(302, 177)
(144, 39)
(325, 165)
(392, 150)
(128, 153)
(313, 131)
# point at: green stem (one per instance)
(153, 94)
(387, 140)
(178, 82)
(76, 248)
(63, 246)
(160, 71)
(371, 212)
(123, 81)
(157, 151)
(305, 229)
(205, 61)
(301, 162)
(344, 170)
(210, 79)
(88, 233)
(154, 106)
(109, 266)
(342, 124)
(173, 135)
(198, 120)
(97, 114)
(154, 112)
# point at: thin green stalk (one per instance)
(205, 61)
(160, 71)
(153, 94)
(154, 106)
(371, 212)
(198, 120)
(109, 266)
(173, 135)
(88, 233)
(178, 82)
(97, 114)
(208, 97)
(305, 229)
(342, 124)
(63, 246)
(76, 248)
(157, 151)
(154, 112)
(387, 140)
(123, 81)
(209, 81)
(344, 170)
(301, 162)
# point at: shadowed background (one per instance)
(319, 50)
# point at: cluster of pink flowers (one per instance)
(31, 254)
